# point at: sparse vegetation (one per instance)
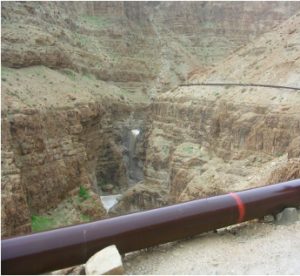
(82, 40)
(67, 213)
(70, 74)
(88, 76)
(188, 149)
(85, 218)
(83, 193)
(97, 21)
(165, 149)
(41, 223)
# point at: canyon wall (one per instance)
(78, 77)
(209, 140)
(140, 45)
(212, 140)
(72, 137)
(216, 29)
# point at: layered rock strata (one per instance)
(59, 143)
(141, 45)
(76, 78)
(207, 141)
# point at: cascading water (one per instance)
(134, 172)
(133, 136)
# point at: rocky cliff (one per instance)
(211, 31)
(56, 140)
(141, 45)
(78, 77)
(211, 140)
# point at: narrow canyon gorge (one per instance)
(95, 105)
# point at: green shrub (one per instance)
(83, 193)
(85, 218)
(41, 223)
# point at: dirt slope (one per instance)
(271, 59)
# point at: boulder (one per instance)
(287, 216)
(105, 262)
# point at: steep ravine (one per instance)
(211, 140)
(77, 79)
(50, 154)
(65, 151)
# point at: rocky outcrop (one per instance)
(207, 141)
(49, 156)
(288, 171)
(294, 148)
(52, 153)
(15, 215)
(200, 135)
(140, 197)
(49, 152)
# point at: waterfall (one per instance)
(133, 136)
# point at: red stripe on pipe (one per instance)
(241, 206)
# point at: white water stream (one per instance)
(133, 136)
(109, 201)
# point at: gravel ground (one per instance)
(248, 248)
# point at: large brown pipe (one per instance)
(63, 247)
